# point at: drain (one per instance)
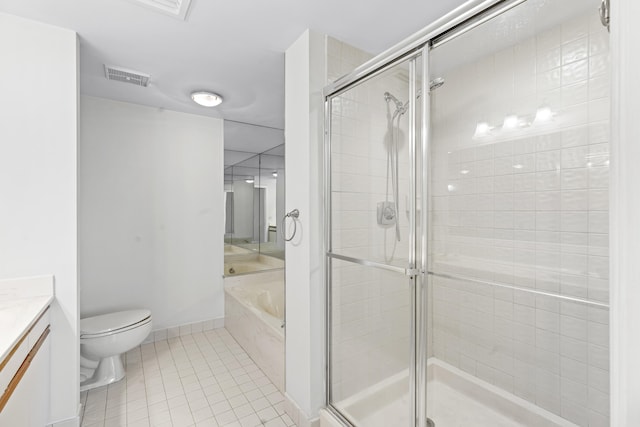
(430, 423)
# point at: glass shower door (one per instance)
(520, 163)
(373, 249)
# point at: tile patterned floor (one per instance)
(203, 379)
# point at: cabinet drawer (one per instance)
(17, 361)
(12, 364)
(38, 328)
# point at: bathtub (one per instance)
(251, 263)
(254, 316)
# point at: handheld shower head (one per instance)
(436, 83)
(388, 97)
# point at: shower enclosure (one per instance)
(466, 178)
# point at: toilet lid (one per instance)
(112, 321)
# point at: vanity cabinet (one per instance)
(24, 378)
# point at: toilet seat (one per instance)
(113, 323)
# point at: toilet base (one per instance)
(109, 370)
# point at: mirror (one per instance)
(254, 204)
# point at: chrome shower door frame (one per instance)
(416, 268)
(462, 19)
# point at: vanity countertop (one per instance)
(22, 301)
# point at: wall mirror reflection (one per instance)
(253, 198)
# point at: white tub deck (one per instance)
(250, 304)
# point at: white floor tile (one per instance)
(203, 379)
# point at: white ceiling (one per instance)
(235, 48)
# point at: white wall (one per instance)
(304, 80)
(151, 217)
(38, 137)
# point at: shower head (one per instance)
(436, 83)
(388, 97)
(401, 108)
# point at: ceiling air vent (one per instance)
(126, 76)
(176, 8)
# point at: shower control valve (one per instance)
(386, 213)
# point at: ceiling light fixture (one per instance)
(249, 181)
(206, 99)
(275, 174)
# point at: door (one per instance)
(375, 334)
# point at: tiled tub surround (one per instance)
(529, 208)
(201, 379)
(254, 315)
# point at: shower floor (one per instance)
(455, 399)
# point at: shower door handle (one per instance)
(410, 272)
(413, 272)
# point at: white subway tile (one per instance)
(598, 401)
(575, 94)
(598, 356)
(575, 136)
(598, 334)
(599, 109)
(599, 222)
(575, 50)
(549, 59)
(547, 181)
(574, 264)
(549, 39)
(552, 79)
(574, 391)
(577, 413)
(598, 379)
(574, 370)
(599, 65)
(598, 420)
(575, 221)
(575, 28)
(574, 72)
(575, 200)
(598, 43)
(549, 221)
(573, 327)
(548, 201)
(574, 349)
(599, 88)
(548, 325)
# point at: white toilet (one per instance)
(103, 340)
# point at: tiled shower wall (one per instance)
(526, 207)
(370, 307)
